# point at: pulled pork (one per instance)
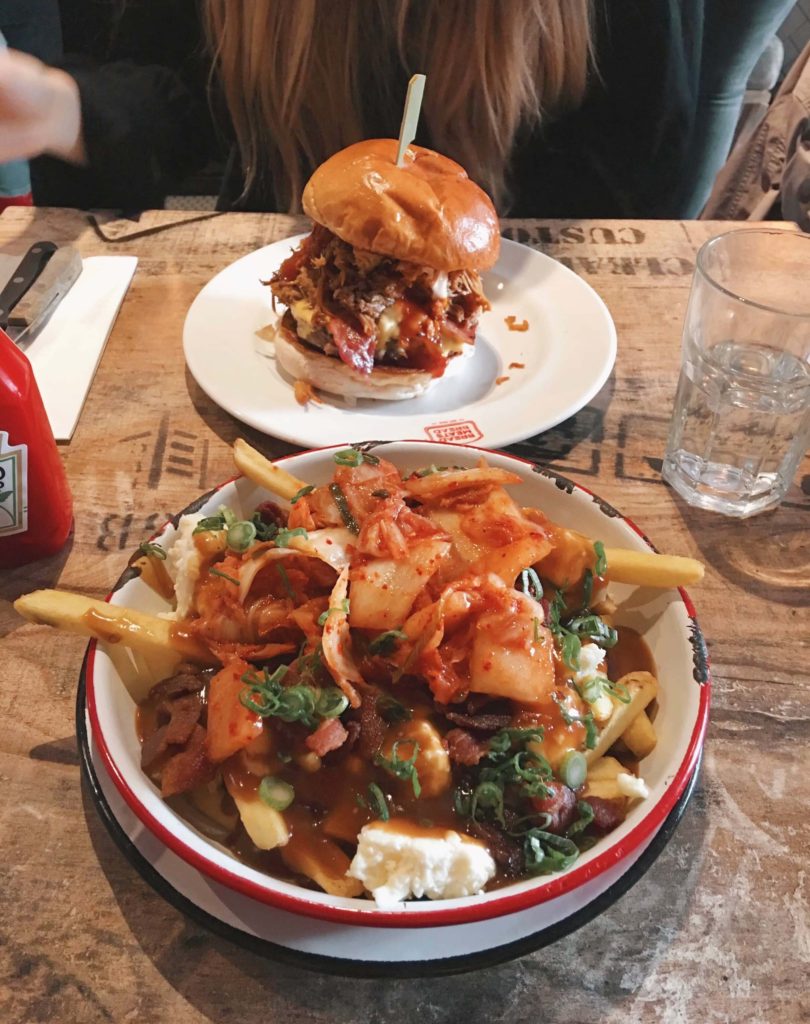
(349, 289)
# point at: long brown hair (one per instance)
(304, 78)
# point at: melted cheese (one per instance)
(441, 286)
(304, 314)
(388, 327)
(451, 345)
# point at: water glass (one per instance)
(741, 422)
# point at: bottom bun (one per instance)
(330, 374)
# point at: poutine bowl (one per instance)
(665, 618)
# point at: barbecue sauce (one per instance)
(36, 508)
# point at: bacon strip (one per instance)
(329, 735)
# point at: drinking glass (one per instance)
(742, 410)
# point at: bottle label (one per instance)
(13, 487)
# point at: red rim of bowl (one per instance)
(551, 888)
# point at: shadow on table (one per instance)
(228, 428)
(35, 576)
(767, 555)
(557, 444)
(586, 976)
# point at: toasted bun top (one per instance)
(427, 211)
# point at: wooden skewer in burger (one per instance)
(386, 289)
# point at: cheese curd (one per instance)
(591, 660)
(395, 864)
(632, 786)
(183, 562)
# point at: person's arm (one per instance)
(118, 135)
(142, 133)
(39, 111)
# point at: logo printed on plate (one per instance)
(454, 431)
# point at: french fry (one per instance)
(602, 779)
(648, 569)
(604, 789)
(325, 863)
(572, 553)
(605, 768)
(639, 737)
(111, 624)
(642, 687)
(263, 472)
(265, 825)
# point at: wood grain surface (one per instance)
(718, 930)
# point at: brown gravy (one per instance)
(333, 803)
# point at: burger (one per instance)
(386, 289)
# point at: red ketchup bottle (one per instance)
(36, 509)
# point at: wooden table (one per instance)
(718, 930)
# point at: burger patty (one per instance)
(366, 308)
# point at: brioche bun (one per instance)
(426, 212)
(330, 374)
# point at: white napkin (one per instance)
(66, 352)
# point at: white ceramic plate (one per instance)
(665, 619)
(567, 355)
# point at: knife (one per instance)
(28, 270)
(34, 310)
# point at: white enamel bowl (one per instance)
(665, 619)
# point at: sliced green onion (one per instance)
(392, 710)
(276, 793)
(224, 576)
(585, 812)
(297, 704)
(586, 720)
(545, 852)
(574, 769)
(377, 802)
(302, 493)
(343, 507)
(587, 588)
(530, 584)
(354, 457)
(241, 535)
(284, 536)
(401, 768)
(387, 642)
(209, 523)
(591, 733)
(331, 703)
(488, 796)
(344, 607)
(264, 531)
(228, 515)
(152, 550)
(592, 689)
(593, 628)
(571, 646)
(619, 691)
(285, 582)
(348, 457)
(601, 558)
